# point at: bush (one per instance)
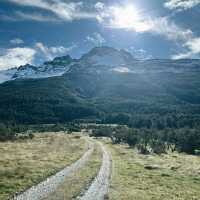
(31, 135)
(119, 134)
(6, 133)
(132, 137)
(142, 149)
(158, 147)
(188, 141)
(197, 152)
(103, 131)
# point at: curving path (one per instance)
(99, 187)
(45, 188)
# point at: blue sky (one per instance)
(32, 31)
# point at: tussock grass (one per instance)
(27, 162)
(172, 176)
(76, 185)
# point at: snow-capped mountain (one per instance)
(100, 56)
(57, 67)
(100, 60)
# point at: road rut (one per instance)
(99, 187)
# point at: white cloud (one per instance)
(35, 17)
(99, 5)
(181, 4)
(15, 57)
(140, 54)
(118, 16)
(170, 30)
(131, 19)
(66, 11)
(96, 39)
(16, 41)
(192, 47)
(122, 69)
(53, 51)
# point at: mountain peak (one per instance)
(63, 60)
(107, 56)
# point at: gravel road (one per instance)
(43, 189)
(99, 187)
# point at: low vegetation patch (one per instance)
(24, 163)
(153, 140)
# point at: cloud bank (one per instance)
(66, 11)
(15, 57)
(117, 16)
(181, 4)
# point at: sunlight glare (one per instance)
(128, 17)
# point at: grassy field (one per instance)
(144, 177)
(78, 183)
(28, 162)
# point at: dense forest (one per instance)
(142, 101)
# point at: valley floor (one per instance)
(114, 172)
(144, 177)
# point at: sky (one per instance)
(34, 31)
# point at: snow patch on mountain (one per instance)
(57, 67)
(122, 69)
(6, 75)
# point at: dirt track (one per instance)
(43, 189)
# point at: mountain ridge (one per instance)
(99, 59)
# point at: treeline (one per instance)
(153, 140)
(67, 127)
(155, 121)
(11, 132)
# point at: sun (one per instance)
(128, 17)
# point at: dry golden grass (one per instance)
(175, 177)
(28, 162)
(76, 184)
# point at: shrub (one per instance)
(188, 141)
(132, 137)
(103, 131)
(6, 133)
(143, 149)
(158, 147)
(31, 136)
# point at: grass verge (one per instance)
(27, 162)
(171, 176)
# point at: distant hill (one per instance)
(107, 85)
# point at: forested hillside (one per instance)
(152, 100)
